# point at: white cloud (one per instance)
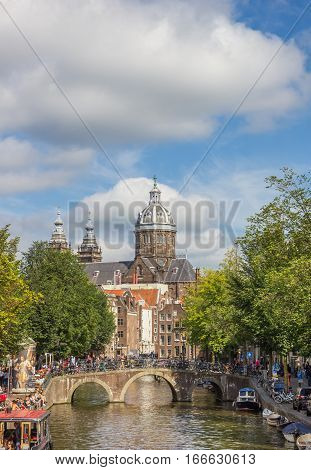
(203, 232)
(140, 71)
(24, 167)
(203, 228)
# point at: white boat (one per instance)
(277, 420)
(247, 400)
(266, 412)
(304, 442)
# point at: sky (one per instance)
(98, 96)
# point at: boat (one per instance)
(277, 420)
(293, 430)
(32, 427)
(266, 412)
(304, 442)
(247, 400)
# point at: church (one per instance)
(146, 293)
(155, 259)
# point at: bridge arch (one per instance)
(169, 380)
(86, 380)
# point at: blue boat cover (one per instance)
(246, 389)
(296, 428)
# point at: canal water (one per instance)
(149, 420)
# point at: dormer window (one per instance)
(95, 273)
(175, 270)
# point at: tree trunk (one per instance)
(270, 364)
(285, 363)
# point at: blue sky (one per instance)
(154, 82)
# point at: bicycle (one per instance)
(284, 397)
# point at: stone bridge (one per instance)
(116, 383)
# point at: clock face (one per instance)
(161, 261)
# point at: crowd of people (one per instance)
(32, 401)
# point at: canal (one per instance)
(149, 420)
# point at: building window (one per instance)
(120, 322)
(169, 317)
(155, 321)
(162, 328)
(162, 340)
(177, 351)
(169, 353)
(162, 352)
(177, 324)
(120, 334)
(119, 309)
(175, 270)
(177, 336)
(169, 340)
(162, 316)
(155, 329)
(169, 328)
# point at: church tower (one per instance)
(58, 240)
(155, 230)
(89, 251)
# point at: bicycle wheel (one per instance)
(278, 399)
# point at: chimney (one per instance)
(197, 274)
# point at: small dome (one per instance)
(155, 214)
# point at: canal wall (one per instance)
(285, 409)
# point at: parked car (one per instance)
(300, 400)
(309, 407)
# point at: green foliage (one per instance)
(267, 276)
(209, 313)
(15, 297)
(73, 316)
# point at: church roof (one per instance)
(180, 270)
(100, 273)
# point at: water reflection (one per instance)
(150, 420)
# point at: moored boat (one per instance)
(277, 420)
(304, 442)
(25, 430)
(266, 413)
(293, 430)
(247, 400)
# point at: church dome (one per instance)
(155, 215)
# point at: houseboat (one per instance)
(25, 430)
(247, 400)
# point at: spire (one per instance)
(89, 251)
(58, 239)
(155, 192)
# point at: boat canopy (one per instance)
(296, 428)
(24, 415)
(247, 389)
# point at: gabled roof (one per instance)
(150, 296)
(105, 271)
(180, 270)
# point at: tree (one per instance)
(286, 299)
(73, 316)
(276, 243)
(209, 314)
(15, 297)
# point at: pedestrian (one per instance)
(300, 377)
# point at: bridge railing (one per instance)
(82, 367)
